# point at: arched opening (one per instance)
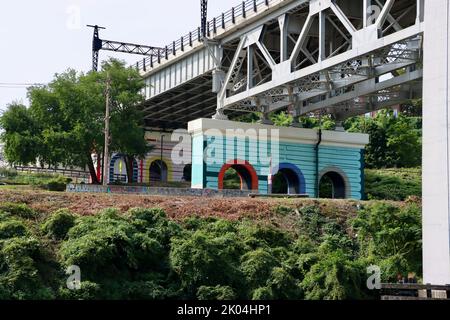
(238, 176)
(158, 171)
(187, 173)
(332, 186)
(118, 170)
(286, 181)
(232, 180)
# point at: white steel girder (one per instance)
(365, 55)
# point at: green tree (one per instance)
(20, 135)
(69, 112)
(395, 141)
(65, 121)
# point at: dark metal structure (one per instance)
(204, 17)
(117, 46)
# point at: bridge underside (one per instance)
(187, 102)
(337, 57)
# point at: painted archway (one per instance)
(293, 176)
(167, 163)
(340, 184)
(246, 172)
(118, 171)
(187, 173)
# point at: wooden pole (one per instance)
(107, 138)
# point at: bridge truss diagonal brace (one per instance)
(342, 18)
(301, 40)
(245, 50)
(231, 71)
(384, 13)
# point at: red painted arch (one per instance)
(240, 164)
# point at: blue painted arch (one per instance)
(299, 181)
(117, 157)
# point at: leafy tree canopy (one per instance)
(64, 123)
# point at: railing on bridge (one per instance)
(247, 9)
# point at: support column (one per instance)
(250, 75)
(322, 36)
(366, 8)
(436, 141)
(283, 23)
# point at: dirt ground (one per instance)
(177, 208)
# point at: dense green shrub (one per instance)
(154, 223)
(88, 291)
(21, 273)
(12, 229)
(391, 237)
(8, 173)
(58, 224)
(197, 258)
(143, 255)
(40, 180)
(283, 285)
(335, 276)
(132, 245)
(58, 184)
(103, 244)
(257, 267)
(259, 235)
(393, 184)
(18, 209)
(216, 293)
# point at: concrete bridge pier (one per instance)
(436, 144)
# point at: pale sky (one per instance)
(44, 37)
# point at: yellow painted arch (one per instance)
(168, 163)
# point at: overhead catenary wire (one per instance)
(21, 84)
(18, 85)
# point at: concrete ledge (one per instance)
(290, 196)
(154, 191)
(285, 134)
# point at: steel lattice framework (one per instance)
(337, 57)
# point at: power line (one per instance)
(17, 84)
(11, 87)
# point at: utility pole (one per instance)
(107, 139)
(161, 163)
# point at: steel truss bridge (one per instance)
(338, 57)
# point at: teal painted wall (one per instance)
(198, 166)
(348, 161)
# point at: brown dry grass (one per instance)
(274, 211)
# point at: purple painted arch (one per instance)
(294, 177)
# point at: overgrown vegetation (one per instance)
(143, 255)
(393, 184)
(395, 141)
(45, 181)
